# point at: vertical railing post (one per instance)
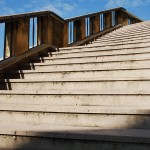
(20, 36)
(133, 20)
(76, 30)
(79, 29)
(82, 30)
(121, 17)
(94, 24)
(65, 34)
(51, 31)
(107, 20)
(39, 31)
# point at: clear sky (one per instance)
(71, 8)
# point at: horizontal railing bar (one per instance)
(93, 14)
(32, 14)
(133, 16)
(101, 12)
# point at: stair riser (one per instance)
(109, 87)
(123, 39)
(91, 59)
(145, 33)
(87, 52)
(93, 66)
(78, 100)
(123, 42)
(108, 121)
(102, 50)
(31, 143)
(99, 47)
(95, 59)
(118, 74)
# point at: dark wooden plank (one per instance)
(122, 17)
(20, 33)
(95, 36)
(65, 35)
(94, 24)
(107, 20)
(29, 15)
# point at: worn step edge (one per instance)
(123, 41)
(76, 109)
(86, 133)
(84, 62)
(99, 55)
(146, 78)
(125, 34)
(67, 71)
(96, 50)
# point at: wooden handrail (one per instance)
(30, 15)
(15, 61)
(102, 12)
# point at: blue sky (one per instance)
(71, 8)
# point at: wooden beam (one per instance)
(107, 20)
(79, 29)
(39, 31)
(82, 28)
(20, 36)
(94, 24)
(14, 61)
(121, 17)
(65, 35)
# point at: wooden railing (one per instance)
(25, 31)
(84, 26)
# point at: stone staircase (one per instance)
(87, 97)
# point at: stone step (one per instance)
(99, 58)
(130, 32)
(93, 46)
(98, 52)
(109, 49)
(93, 87)
(119, 39)
(102, 44)
(124, 35)
(117, 118)
(124, 41)
(83, 99)
(128, 29)
(142, 64)
(86, 75)
(74, 109)
(53, 137)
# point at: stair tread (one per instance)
(83, 79)
(82, 133)
(72, 92)
(75, 109)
